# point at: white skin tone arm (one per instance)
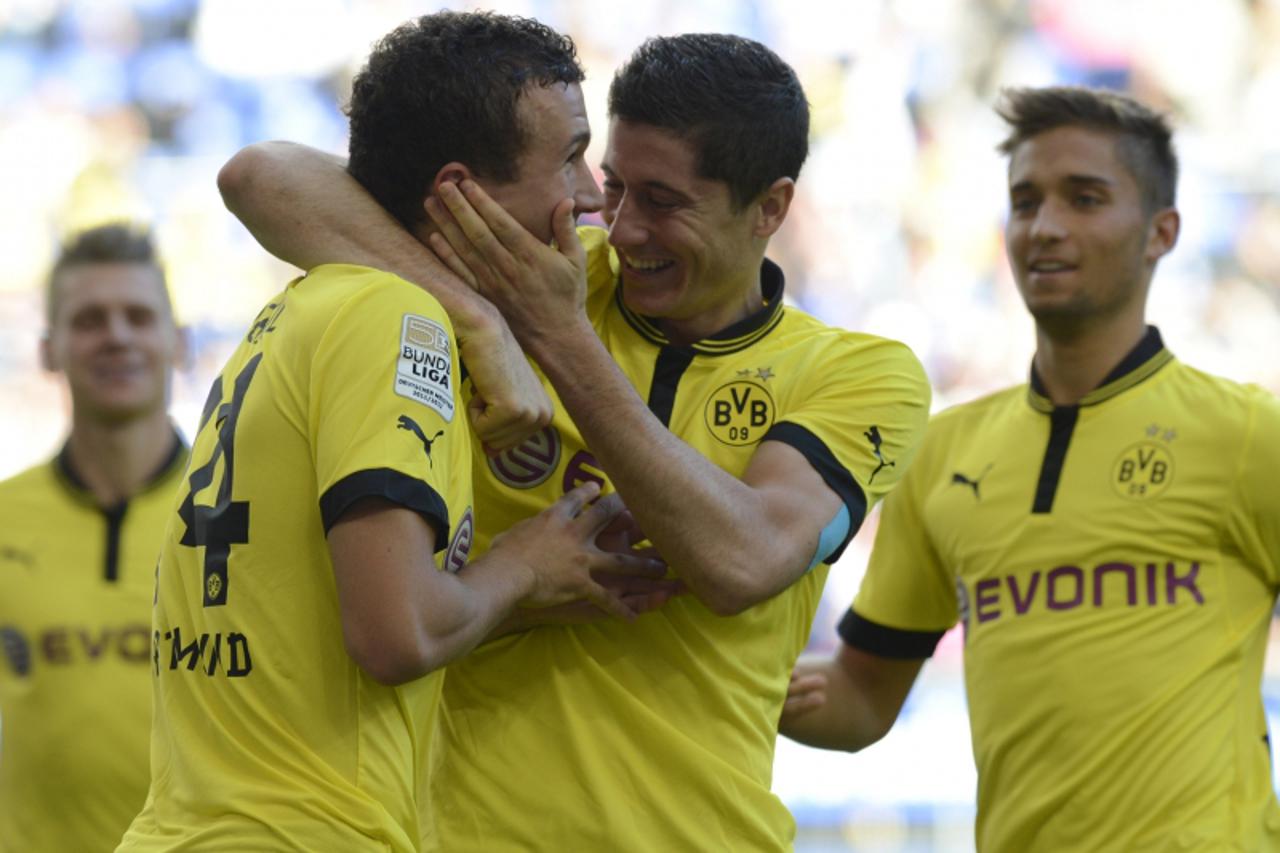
(734, 542)
(848, 701)
(402, 618)
(303, 207)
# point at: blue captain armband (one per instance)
(831, 537)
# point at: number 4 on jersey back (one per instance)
(216, 528)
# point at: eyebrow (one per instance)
(653, 185)
(1075, 180)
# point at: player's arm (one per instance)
(303, 207)
(403, 618)
(848, 701)
(734, 542)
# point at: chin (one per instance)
(648, 304)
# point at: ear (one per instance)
(47, 361)
(183, 352)
(452, 172)
(1162, 235)
(771, 207)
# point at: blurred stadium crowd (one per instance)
(127, 108)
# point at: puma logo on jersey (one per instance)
(974, 484)
(407, 423)
(873, 436)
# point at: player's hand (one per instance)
(559, 549)
(639, 594)
(510, 403)
(806, 692)
(540, 289)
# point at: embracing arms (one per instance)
(403, 618)
(733, 541)
(303, 207)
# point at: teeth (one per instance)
(647, 265)
(1049, 266)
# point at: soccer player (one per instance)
(748, 437)
(315, 576)
(78, 542)
(1109, 535)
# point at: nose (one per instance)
(117, 327)
(1048, 223)
(587, 197)
(626, 225)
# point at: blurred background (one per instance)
(127, 108)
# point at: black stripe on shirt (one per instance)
(391, 485)
(1062, 423)
(115, 521)
(835, 475)
(671, 364)
(897, 643)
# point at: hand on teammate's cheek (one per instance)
(537, 287)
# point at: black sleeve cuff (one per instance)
(862, 633)
(832, 472)
(390, 485)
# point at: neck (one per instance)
(1071, 362)
(116, 460)
(717, 318)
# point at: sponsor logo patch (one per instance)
(460, 548)
(424, 366)
(530, 463)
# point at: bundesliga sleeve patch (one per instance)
(423, 369)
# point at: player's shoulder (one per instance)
(1225, 397)
(965, 418)
(27, 483)
(353, 281)
(850, 350)
(354, 293)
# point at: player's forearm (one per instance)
(844, 721)
(710, 526)
(483, 599)
(303, 207)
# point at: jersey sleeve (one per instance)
(859, 423)
(383, 405)
(907, 600)
(1253, 521)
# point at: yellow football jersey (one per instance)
(75, 644)
(659, 734)
(267, 734)
(1115, 565)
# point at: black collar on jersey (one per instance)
(177, 453)
(734, 338)
(114, 515)
(1139, 365)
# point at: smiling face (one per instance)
(1080, 244)
(688, 258)
(113, 336)
(553, 164)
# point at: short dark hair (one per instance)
(445, 87)
(1144, 136)
(114, 243)
(740, 105)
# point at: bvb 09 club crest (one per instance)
(739, 413)
(1143, 471)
